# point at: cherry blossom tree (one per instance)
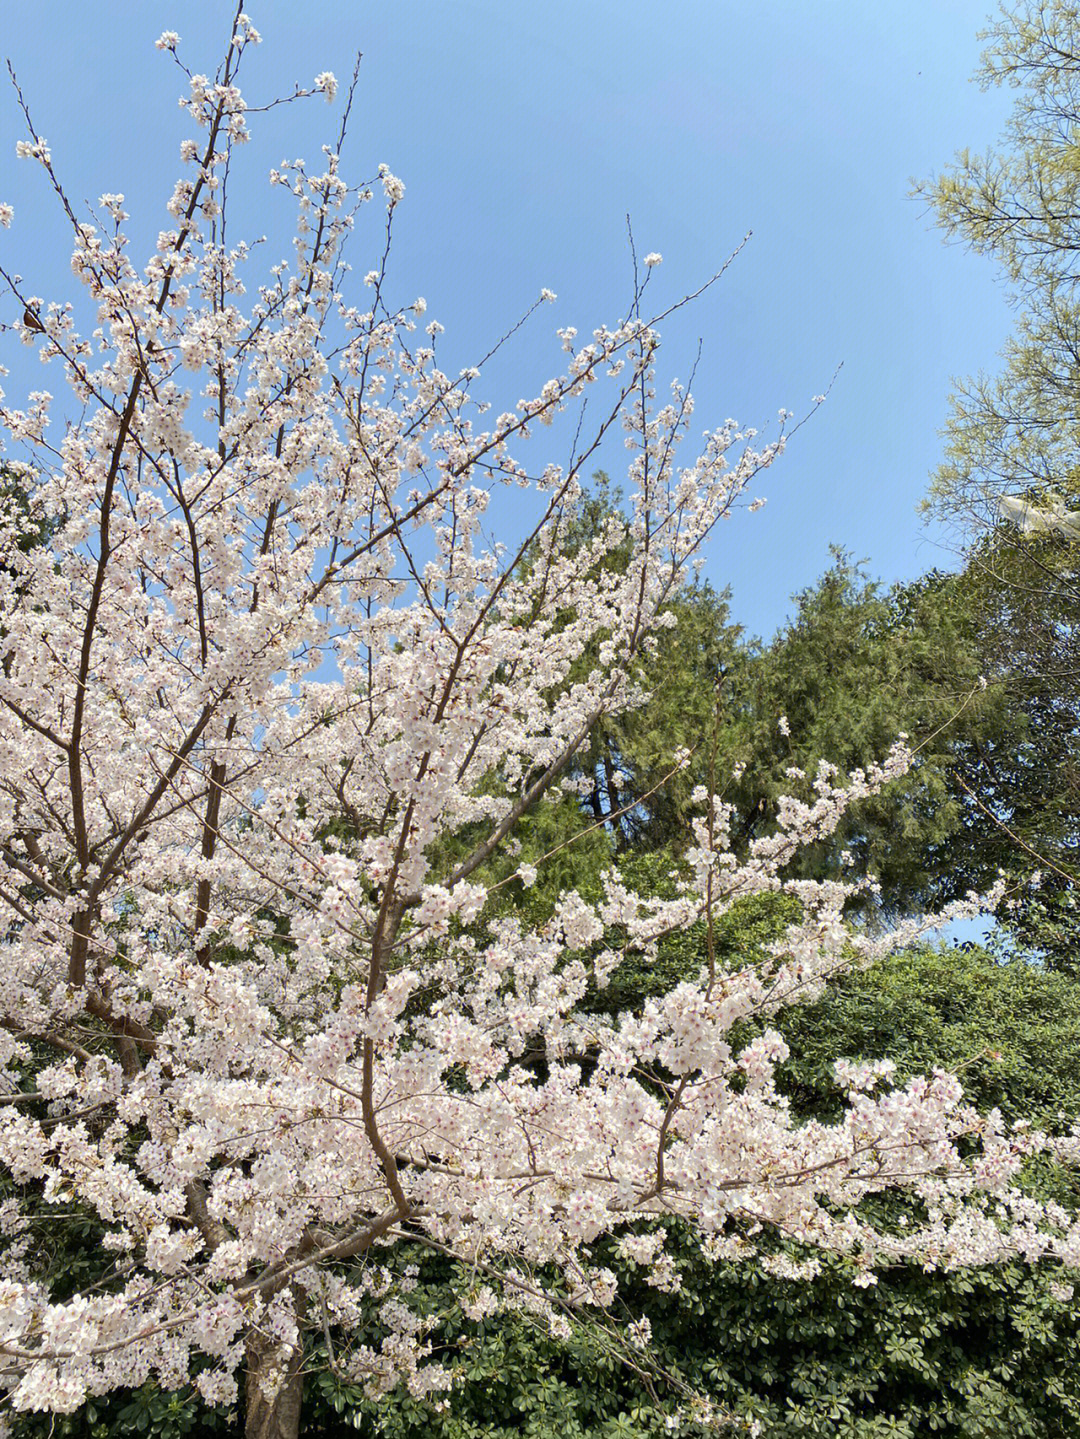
(272, 708)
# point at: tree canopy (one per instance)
(427, 960)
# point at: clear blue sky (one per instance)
(524, 133)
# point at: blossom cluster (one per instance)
(270, 705)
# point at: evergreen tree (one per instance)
(1016, 434)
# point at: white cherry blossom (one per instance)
(271, 706)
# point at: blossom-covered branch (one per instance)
(271, 705)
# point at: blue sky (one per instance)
(525, 132)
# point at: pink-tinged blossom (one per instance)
(35, 149)
(393, 188)
(270, 723)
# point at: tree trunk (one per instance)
(279, 1417)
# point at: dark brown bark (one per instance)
(279, 1417)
